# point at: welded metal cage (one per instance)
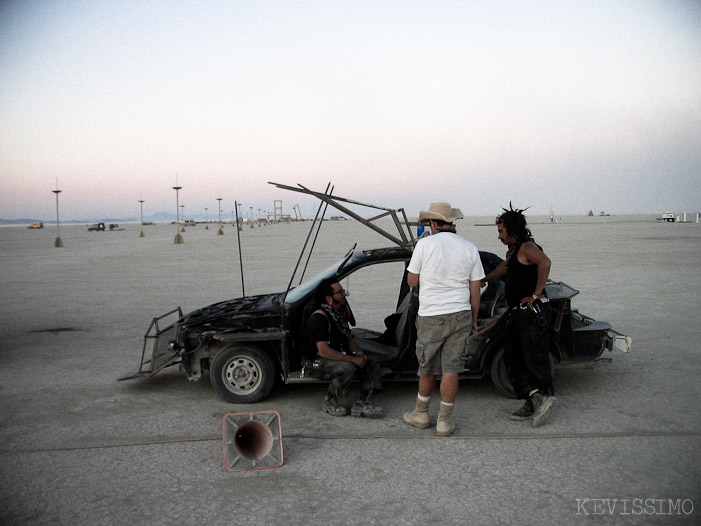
(157, 353)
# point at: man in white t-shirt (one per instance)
(449, 271)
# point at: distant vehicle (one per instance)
(246, 343)
(97, 227)
(36, 225)
(667, 216)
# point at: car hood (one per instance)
(234, 308)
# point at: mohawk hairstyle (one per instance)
(515, 222)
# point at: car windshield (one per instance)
(297, 293)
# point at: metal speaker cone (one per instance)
(252, 440)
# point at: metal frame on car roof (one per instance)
(401, 222)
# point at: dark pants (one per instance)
(341, 374)
(526, 351)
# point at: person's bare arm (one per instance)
(412, 279)
(326, 351)
(497, 272)
(475, 302)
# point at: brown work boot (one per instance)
(445, 426)
(419, 416)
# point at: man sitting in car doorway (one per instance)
(338, 356)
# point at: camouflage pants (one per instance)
(341, 374)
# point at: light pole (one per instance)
(178, 237)
(58, 242)
(220, 232)
(182, 217)
(206, 219)
(142, 234)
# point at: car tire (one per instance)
(242, 374)
(498, 373)
(499, 377)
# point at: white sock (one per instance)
(446, 403)
(424, 398)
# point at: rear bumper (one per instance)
(619, 341)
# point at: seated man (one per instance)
(339, 357)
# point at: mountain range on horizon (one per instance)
(158, 216)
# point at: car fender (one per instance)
(264, 340)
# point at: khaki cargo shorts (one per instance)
(440, 342)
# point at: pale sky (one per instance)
(574, 105)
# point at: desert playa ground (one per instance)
(78, 447)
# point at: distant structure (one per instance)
(590, 214)
(178, 237)
(277, 214)
(58, 242)
(670, 217)
(142, 233)
(220, 232)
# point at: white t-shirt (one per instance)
(445, 263)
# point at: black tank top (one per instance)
(520, 279)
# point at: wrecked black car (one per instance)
(246, 344)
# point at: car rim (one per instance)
(241, 375)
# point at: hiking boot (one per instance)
(542, 404)
(331, 407)
(444, 425)
(525, 412)
(363, 407)
(419, 416)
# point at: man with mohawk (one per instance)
(526, 343)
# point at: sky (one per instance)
(562, 105)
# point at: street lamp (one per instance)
(178, 237)
(58, 242)
(220, 232)
(142, 234)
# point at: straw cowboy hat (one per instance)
(440, 212)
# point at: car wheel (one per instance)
(498, 373)
(242, 374)
(499, 377)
